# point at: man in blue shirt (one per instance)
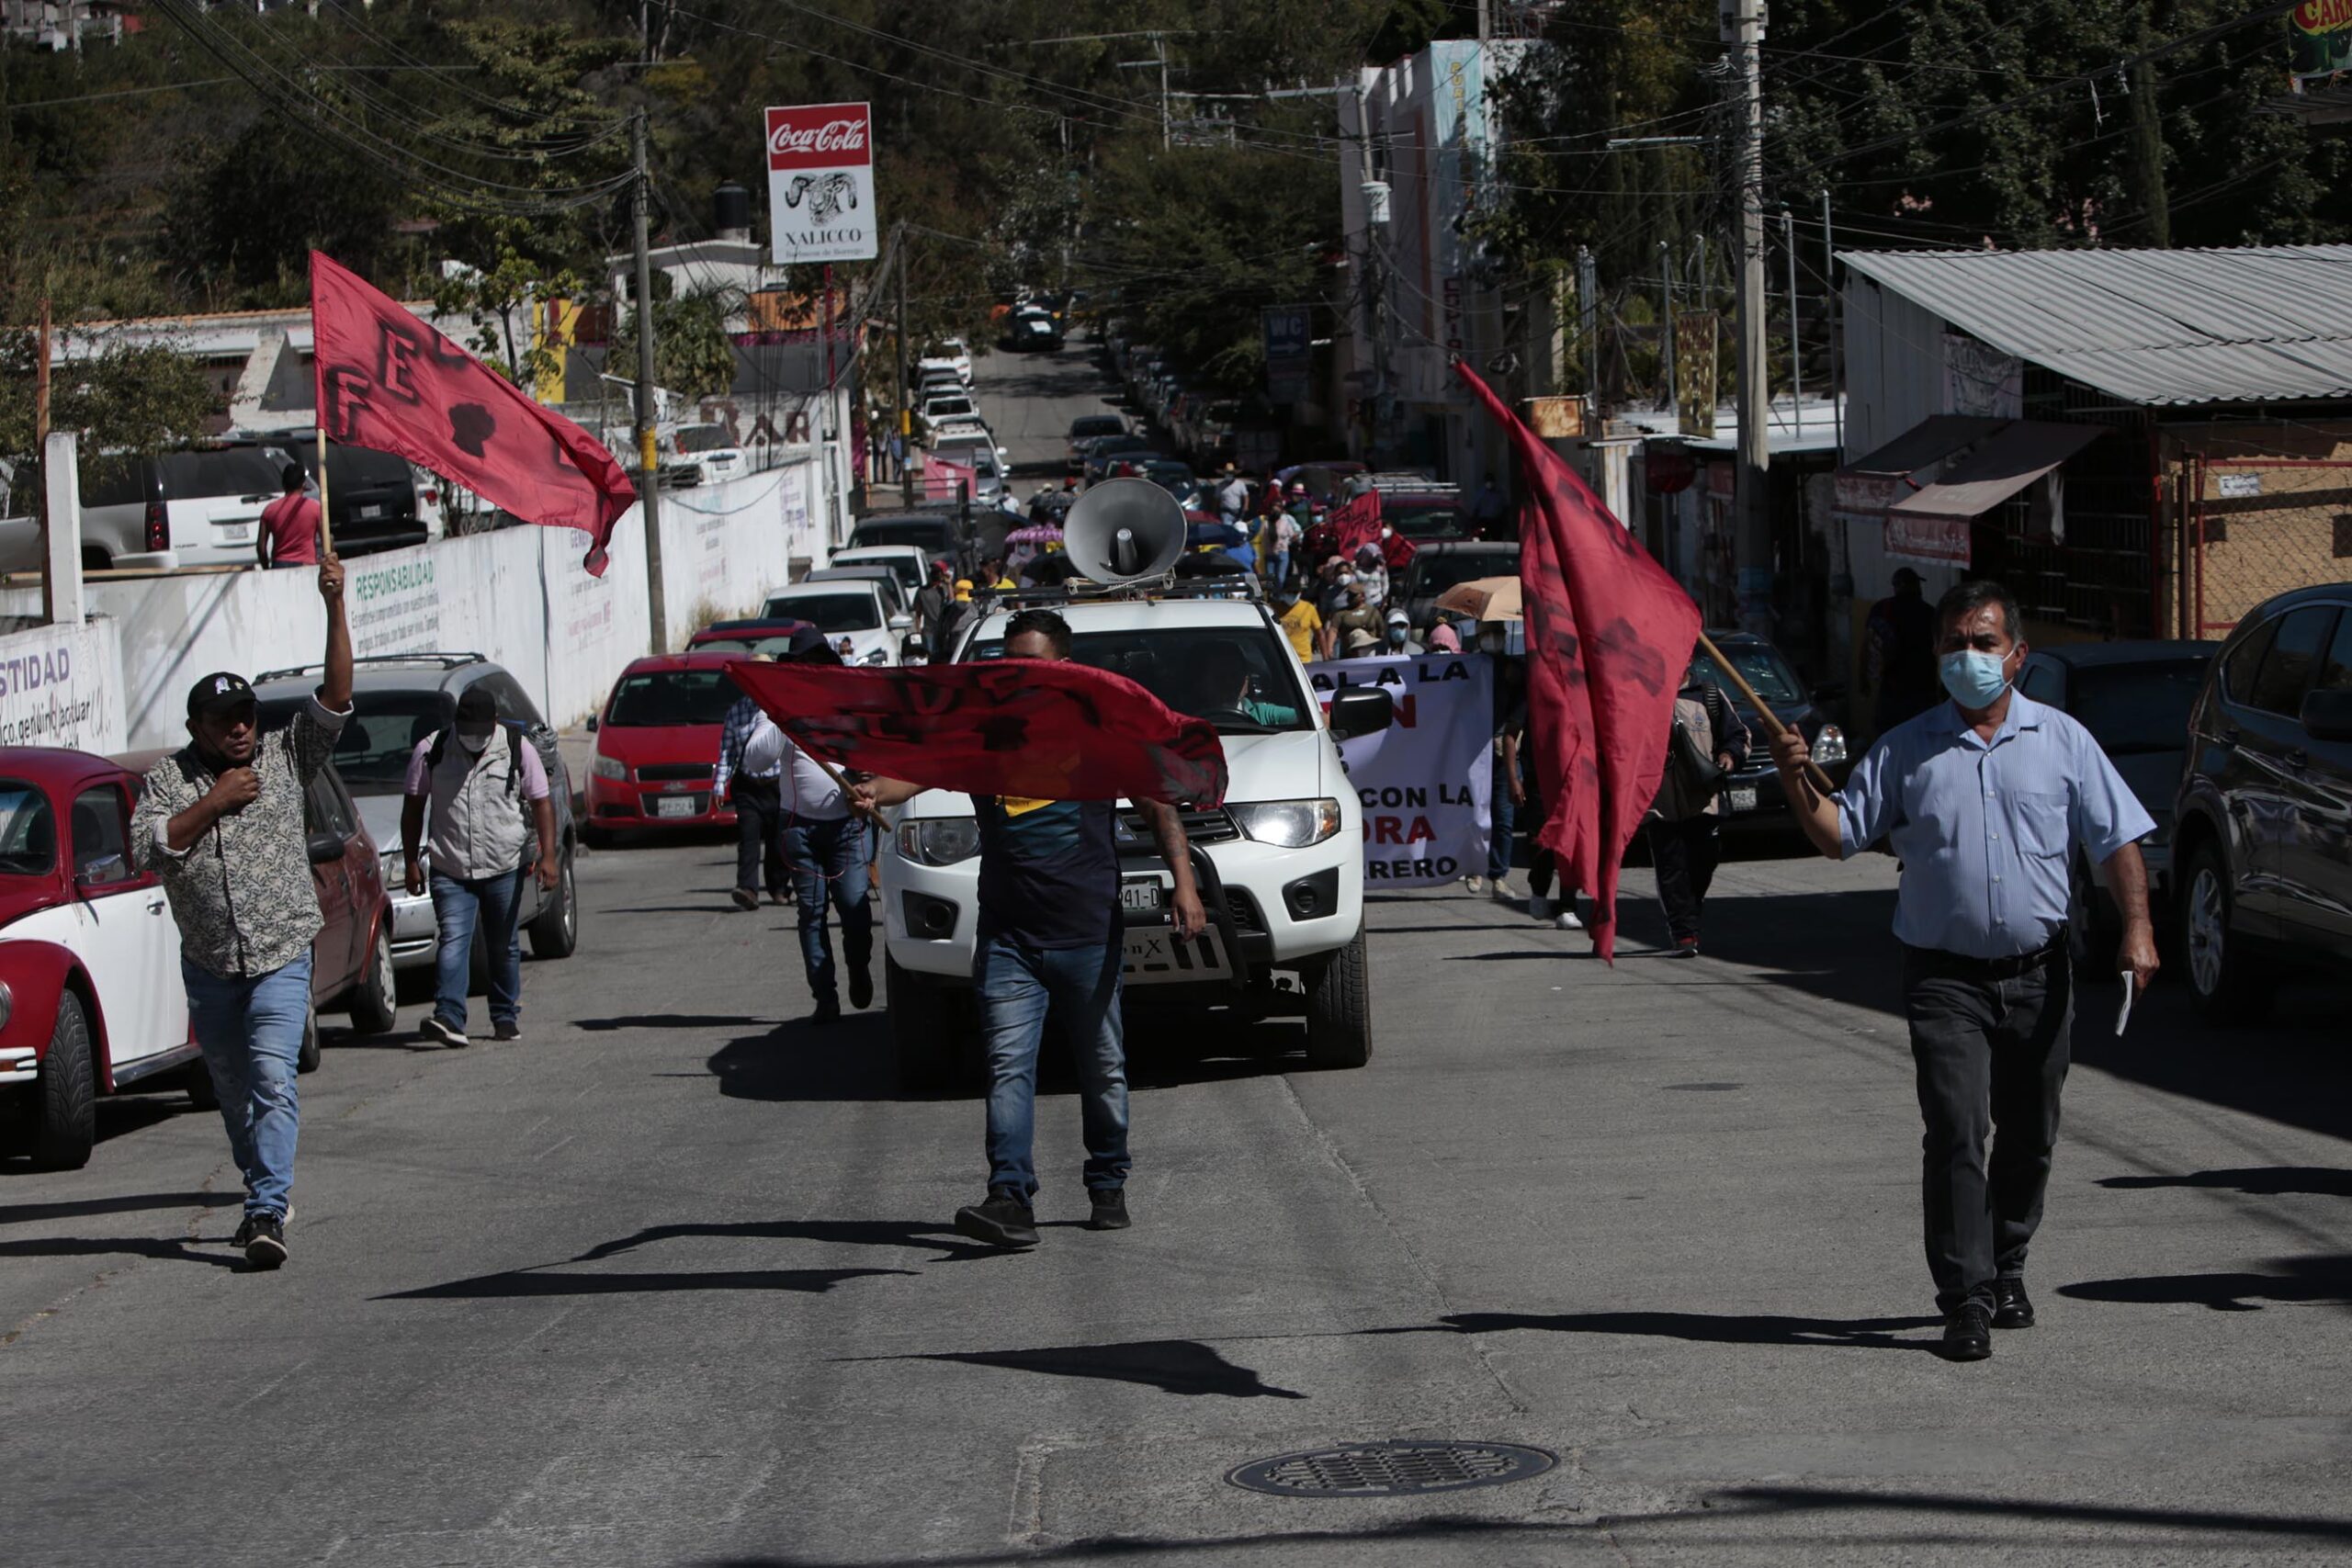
(1050, 939)
(1984, 798)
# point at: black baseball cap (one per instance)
(219, 692)
(810, 646)
(475, 705)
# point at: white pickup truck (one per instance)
(1280, 862)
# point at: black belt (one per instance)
(1935, 960)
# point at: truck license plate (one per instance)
(1742, 799)
(1140, 894)
(1155, 955)
(673, 806)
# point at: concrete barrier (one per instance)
(518, 596)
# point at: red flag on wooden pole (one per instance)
(386, 380)
(1609, 634)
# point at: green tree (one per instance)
(692, 356)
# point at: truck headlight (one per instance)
(877, 657)
(1829, 745)
(611, 768)
(939, 840)
(1287, 824)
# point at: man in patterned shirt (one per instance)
(220, 821)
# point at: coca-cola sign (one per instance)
(819, 136)
(820, 182)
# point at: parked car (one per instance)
(398, 700)
(657, 745)
(1088, 427)
(1421, 510)
(200, 507)
(1752, 796)
(977, 450)
(895, 596)
(857, 615)
(1032, 328)
(935, 533)
(1109, 448)
(710, 448)
(1443, 564)
(911, 565)
(736, 638)
(2134, 698)
(2261, 848)
(89, 957)
(951, 356)
(373, 500)
(947, 405)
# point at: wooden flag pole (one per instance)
(1773, 725)
(326, 530)
(838, 783)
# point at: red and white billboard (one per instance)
(820, 182)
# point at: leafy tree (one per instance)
(140, 398)
(693, 354)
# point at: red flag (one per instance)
(1609, 634)
(941, 478)
(386, 380)
(1016, 727)
(1354, 523)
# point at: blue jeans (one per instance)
(1018, 987)
(495, 903)
(251, 1033)
(830, 862)
(1499, 811)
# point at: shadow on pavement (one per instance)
(940, 1239)
(2325, 1281)
(1861, 1333)
(161, 1248)
(515, 1282)
(132, 1203)
(1171, 1366)
(2257, 1182)
(664, 1021)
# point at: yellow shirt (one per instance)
(1300, 623)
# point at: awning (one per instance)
(2022, 451)
(1923, 445)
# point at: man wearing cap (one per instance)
(487, 800)
(1354, 616)
(1400, 630)
(220, 821)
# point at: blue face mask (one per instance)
(1975, 680)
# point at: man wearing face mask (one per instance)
(488, 793)
(220, 822)
(1984, 798)
(1400, 636)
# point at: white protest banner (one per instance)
(58, 686)
(820, 182)
(1424, 781)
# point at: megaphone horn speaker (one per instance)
(1122, 530)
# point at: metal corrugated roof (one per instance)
(2261, 324)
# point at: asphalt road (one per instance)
(671, 1279)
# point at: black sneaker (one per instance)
(446, 1034)
(2012, 1308)
(265, 1241)
(861, 988)
(828, 1012)
(510, 1029)
(1005, 1220)
(746, 899)
(1110, 1209)
(245, 1232)
(1968, 1334)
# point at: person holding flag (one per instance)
(1049, 942)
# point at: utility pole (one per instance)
(1752, 537)
(1669, 398)
(41, 444)
(1588, 326)
(1160, 48)
(649, 441)
(1830, 289)
(905, 425)
(1796, 350)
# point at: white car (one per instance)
(952, 355)
(909, 563)
(1280, 862)
(943, 406)
(710, 448)
(855, 616)
(977, 451)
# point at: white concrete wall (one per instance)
(520, 597)
(61, 687)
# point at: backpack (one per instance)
(440, 748)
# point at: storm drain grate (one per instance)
(1388, 1470)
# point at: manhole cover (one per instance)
(1386, 1470)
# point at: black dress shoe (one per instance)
(1968, 1334)
(2012, 1308)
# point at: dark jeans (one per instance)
(828, 865)
(1684, 855)
(1991, 1053)
(758, 834)
(1501, 814)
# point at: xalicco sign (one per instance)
(820, 182)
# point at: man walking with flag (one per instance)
(1049, 942)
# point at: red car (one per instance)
(657, 745)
